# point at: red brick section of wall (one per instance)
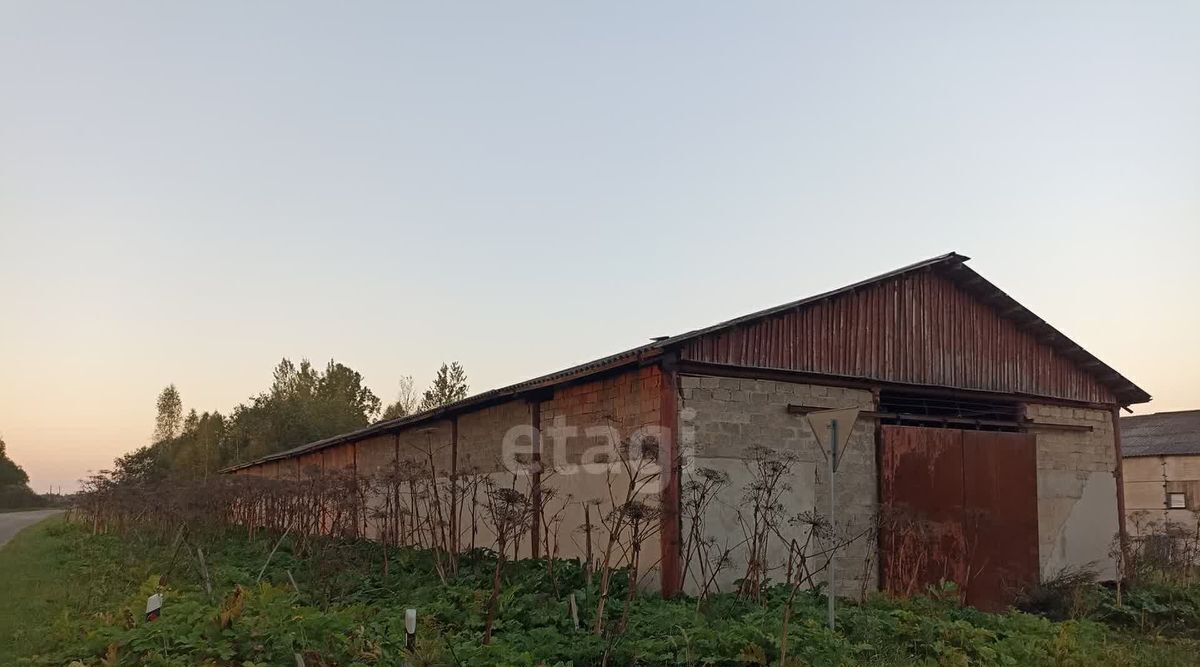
(627, 402)
(310, 464)
(338, 457)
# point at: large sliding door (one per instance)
(959, 506)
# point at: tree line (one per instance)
(303, 404)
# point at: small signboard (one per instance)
(833, 428)
(410, 628)
(154, 607)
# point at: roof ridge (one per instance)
(1163, 414)
(952, 263)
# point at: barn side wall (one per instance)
(583, 429)
(1077, 489)
(1148, 479)
(583, 426)
(721, 419)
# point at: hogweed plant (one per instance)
(508, 513)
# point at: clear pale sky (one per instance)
(189, 193)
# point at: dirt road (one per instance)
(12, 522)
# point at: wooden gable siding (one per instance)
(918, 328)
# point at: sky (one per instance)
(191, 191)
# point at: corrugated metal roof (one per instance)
(951, 264)
(1161, 434)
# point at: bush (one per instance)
(1070, 594)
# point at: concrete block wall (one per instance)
(720, 418)
(1148, 479)
(481, 435)
(1077, 489)
(376, 455)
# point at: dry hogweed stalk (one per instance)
(637, 463)
(762, 513)
(508, 514)
(700, 549)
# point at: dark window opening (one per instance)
(911, 409)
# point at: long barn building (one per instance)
(988, 431)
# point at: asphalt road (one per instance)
(11, 523)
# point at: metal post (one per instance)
(833, 440)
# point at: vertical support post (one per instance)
(360, 520)
(668, 413)
(1119, 474)
(454, 502)
(830, 595)
(395, 510)
(880, 552)
(535, 492)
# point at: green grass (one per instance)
(71, 596)
(55, 575)
(30, 577)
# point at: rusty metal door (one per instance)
(959, 506)
(1001, 515)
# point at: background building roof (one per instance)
(1161, 434)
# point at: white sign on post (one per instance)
(833, 438)
(832, 429)
(410, 628)
(154, 607)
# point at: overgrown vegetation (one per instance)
(316, 566)
(264, 571)
(342, 610)
(1162, 562)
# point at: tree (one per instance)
(194, 453)
(406, 401)
(145, 464)
(14, 484)
(11, 474)
(449, 386)
(344, 401)
(302, 405)
(170, 414)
